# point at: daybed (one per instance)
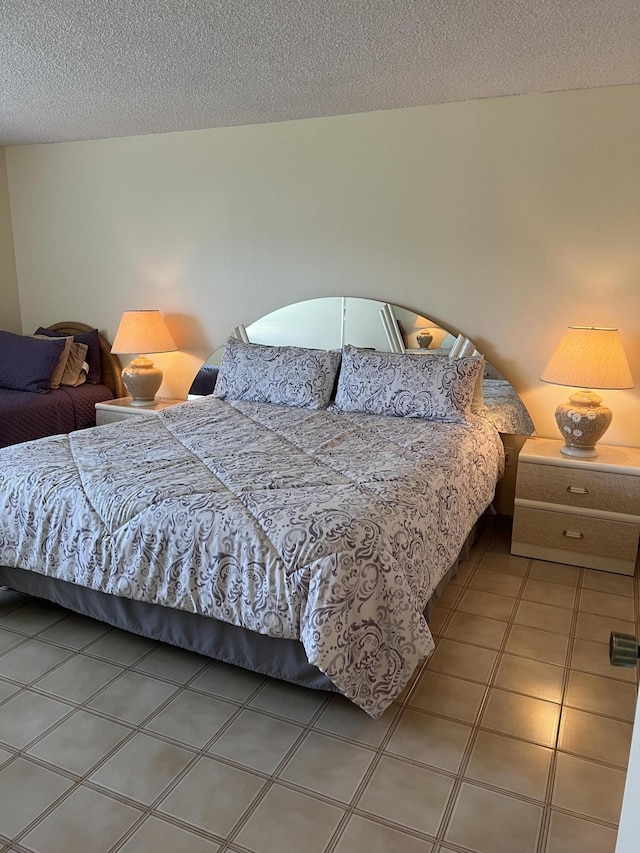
(30, 414)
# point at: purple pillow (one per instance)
(92, 341)
(27, 364)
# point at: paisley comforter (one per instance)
(326, 527)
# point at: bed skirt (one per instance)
(277, 657)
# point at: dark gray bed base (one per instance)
(280, 658)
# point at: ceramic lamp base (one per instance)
(582, 423)
(142, 379)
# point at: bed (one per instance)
(26, 415)
(302, 541)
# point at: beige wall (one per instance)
(9, 300)
(507, 219)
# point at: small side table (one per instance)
(121, 409)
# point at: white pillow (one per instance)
(463, 348)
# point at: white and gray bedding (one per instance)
(330, 527)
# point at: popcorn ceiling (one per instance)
(83, 69)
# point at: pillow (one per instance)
(461, 348)
(433, 387)
(58, 372)
(291, 376)
(75, 371)
(92, 340)
(27, 364)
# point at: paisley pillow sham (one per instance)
(290, 376)
(435, 388)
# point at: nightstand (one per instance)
(584, 512)
(121, 409)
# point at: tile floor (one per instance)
(512, 738)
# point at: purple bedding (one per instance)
(25, 416)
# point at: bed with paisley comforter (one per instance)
(322, 528)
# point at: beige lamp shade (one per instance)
(142, 332)
(587, 357)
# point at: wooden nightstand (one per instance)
(585, 512)
(121, 409)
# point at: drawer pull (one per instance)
(572, 534)
(577, 490)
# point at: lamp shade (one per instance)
(143, 332)
(589, 357)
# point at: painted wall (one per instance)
(9, 300)
(507, 219)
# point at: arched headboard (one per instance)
(110, 371)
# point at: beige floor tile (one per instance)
(594, 657)
(535, 678)
(431, 740)
(537, 645)
(228, 682)
(486, 604)
(257, 741)
(121, 647)
(85, 821)
(470, 628)
(450, 596)
(522, 716)
(411, 796)
(605, 604)
(514, 765)
(462, 659)
(288, 700)
(342, 717)
(133, 697)
(451, 697)
(488, 822)
(601, 695)
(465, 571)
(78, 678)
(544, 616)
(283, 818)
(27, 790)
(33, 617)
(573, 835)
(27, 716)
(9, 639)
(507, 563)
(75, 631)
(32, 659)
(212, 796)
(546, 592)
(192, 718)
(588, 788)
(156, 835)
(366, 836)
(607, 582)
(554, 572)
(593, 736)
(497, 582)
(599, 628)
(142, 768)
(80, 742)
(172, 663)
(328, 766)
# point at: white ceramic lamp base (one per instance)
(582, 423)
(142, 379)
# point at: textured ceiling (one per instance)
(82, 69)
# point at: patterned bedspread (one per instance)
(504, 408)
(330, 528)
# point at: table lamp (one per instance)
(587, 357)
(142, 332)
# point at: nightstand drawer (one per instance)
(103, 417)
(577, 487)
(579, 534)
